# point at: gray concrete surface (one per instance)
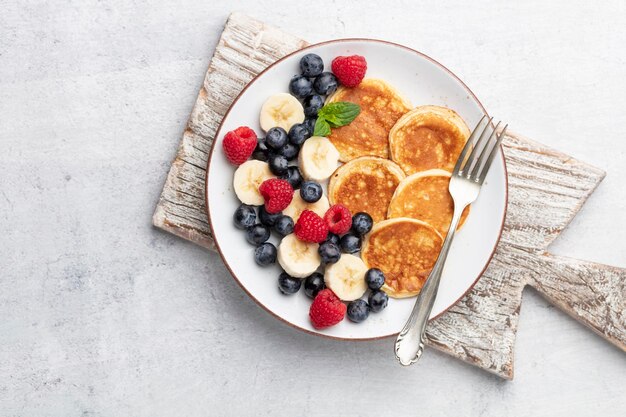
(101, 315)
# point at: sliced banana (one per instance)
(247, 179)
(298, 205)
(299, 259)
(281, 110)
(346, 277)
(318, 158)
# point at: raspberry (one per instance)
(239, 144)
(310, 227)
(339, 219)
(326, 309)
(277, 194)
(349, 70)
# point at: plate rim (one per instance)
(218, 132)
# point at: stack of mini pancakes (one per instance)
(397, 163)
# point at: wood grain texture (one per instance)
(546, 190)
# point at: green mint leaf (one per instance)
(322, 128)
(340, 113)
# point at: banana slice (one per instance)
(299, 259)
(281, 110)
(318, 158)
(247, 179)
(346, 277)
(298, 205)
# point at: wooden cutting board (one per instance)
(546, 190)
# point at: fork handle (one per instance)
(410, 341)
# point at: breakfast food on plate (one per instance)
(395, 222)
(425, 196)
(428, 137)
(381, 106)
(281, 110)
(365, 184)
(247, 180)
(406, 250)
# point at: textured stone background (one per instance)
(101, 315)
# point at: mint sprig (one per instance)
(335, 115)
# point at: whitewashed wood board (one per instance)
(546, 190)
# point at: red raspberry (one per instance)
(339, 219)
(349, 70)
(310, 227)
(239, 144)
(277, 194)
(326, 309)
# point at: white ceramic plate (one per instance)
(423, 81)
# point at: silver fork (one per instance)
(467, 178)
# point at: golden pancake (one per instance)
(368, 134)
(425, 196)
(405, 250)
(365, 184)
(428, 137)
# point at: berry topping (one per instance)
(300, 86)
(276, 138)
(311, 65)
(326, 310)
(313, 284)
(261, 152)
(288, 284)
(325, 83)
(244, 216)
(358, 310)
(284, 225)
(257, 234)
(265, 254)
(299, 133)
(239, 144)
(277, 194)
(374, 278)
(310, 123)
(310, 191)
(329, 252)
(349, 70)
(289, 151)
(268, 219)
(338, 219)
(362, 223)
(333, 238)
(278, 164)
(378, 301)
(293, 177)
(350, 243)
(310, 227)
(312, 104)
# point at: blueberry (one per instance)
(265, 254)
(260, 152)
(289, 151)
(313, 284)
(358, 310)
(299, 133)
(288, 284)
(310, 191)
(329, 252)
(276, 138)
(268, 219)
(377, 300)
(350, 243)
(312, 104)
(257, 234)
(293, 177)
(300, 86)
(284, 225)
(278, 164)
(325, 83)
(311, 65)
(374, 278)
(362, 223)
(310, 123)
(244, 216)
(333, 238)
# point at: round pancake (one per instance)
(365, 184)
(425, 196)
(405, 250)
(368, 134)
(428, 137)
